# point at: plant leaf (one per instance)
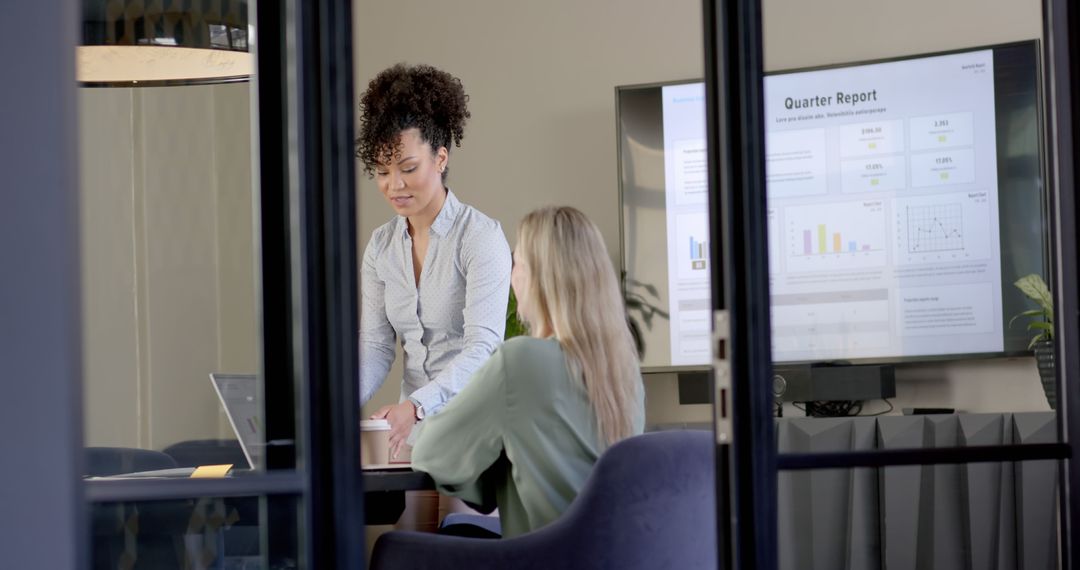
(1035, 288)
(1035, 339)
(635, 331)
(1028, 313)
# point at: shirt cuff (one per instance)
(430, 397)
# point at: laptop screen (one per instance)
(239, 397)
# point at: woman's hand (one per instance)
(401, 417)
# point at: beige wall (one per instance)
(802, 34)
(541, 78)
(168, 262)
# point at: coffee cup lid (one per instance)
(374, 425)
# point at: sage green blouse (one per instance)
(521, 435)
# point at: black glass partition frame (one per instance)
(1061, 27)
(746, 495)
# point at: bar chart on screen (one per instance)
(837, 236)
(692, 246)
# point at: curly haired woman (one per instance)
(437, 275)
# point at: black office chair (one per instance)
(649, 503)
(105, 461)
(196, 452)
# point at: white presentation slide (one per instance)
(879, 174)
(691, 173)
(926, 311)
(795, 163)
(899, 254)
(869, 139)
(686, 199)
(853, 321)
(943, 168)
(882, 211)
(774, 242)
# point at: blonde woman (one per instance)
(533, 420)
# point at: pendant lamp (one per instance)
(164, 42)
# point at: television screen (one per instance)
(904, 198)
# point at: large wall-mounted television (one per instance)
(904, 198)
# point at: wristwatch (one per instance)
(419, 409)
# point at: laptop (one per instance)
(238, 395)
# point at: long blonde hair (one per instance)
(574, 296)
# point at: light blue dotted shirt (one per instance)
(452, 323)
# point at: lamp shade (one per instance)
(163, 42)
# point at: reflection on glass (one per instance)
(202, 533)
(122, 42)
(169, 272)
(663, 171)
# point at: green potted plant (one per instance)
(1042, 322)
(638, 306)
(514, 326)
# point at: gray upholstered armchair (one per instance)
(649, 503)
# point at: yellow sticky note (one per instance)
(211, 471)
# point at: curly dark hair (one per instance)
(404, 97)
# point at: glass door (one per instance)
(887, 200)
(218, 286)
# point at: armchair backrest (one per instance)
(105, 461)
(650, 503)
(194, 453)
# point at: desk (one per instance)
(384, 493)
(396, 480)
(133, 522)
